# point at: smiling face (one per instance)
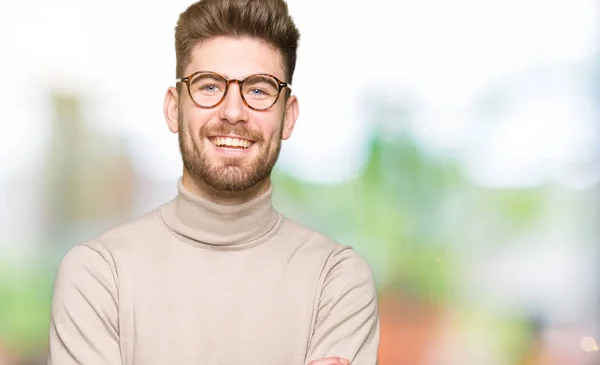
(231, 148)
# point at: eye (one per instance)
(257, 92)
(260, 87)
(210, 88)
(207, 84)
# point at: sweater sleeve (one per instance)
(84, 320)
(347, 319)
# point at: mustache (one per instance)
(237, 129)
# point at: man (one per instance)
(217, 276)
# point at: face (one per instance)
(231, 147)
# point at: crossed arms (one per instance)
(84, 327)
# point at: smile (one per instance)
(231, 142)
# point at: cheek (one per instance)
(194, 121)
(272, 126)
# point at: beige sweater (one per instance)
(197, 283)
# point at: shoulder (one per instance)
(85, 256)
(338, 256)
(135, 231)
(119, 239)
(84, 271)
(348, 269)
(100, 254)
(308, 237)
(143, 226)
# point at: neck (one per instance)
(207, 223)
(201, 189)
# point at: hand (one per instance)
(330, 361)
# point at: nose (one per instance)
(233, 109)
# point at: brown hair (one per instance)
(267, 20)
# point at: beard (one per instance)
(230, 173)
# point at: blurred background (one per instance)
(454, 144)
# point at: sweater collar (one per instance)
(205, 223)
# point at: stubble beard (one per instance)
(230, 174)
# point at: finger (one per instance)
(330, 361)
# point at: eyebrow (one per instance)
(260, 73)
(263, 78)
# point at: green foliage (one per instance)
(390, 214)
(25, 296)
(408, 213)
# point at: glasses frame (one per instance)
(281, 85)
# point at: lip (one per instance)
(231, 136)
(231, 151)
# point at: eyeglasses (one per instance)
(208, 89)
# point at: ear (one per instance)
(171, 109)
(292, 110)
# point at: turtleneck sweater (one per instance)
(195, 282)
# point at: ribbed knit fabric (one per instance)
(198, 283)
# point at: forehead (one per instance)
(236, 57)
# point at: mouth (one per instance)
(231, 142)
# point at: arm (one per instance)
(347, 318)
(84, 322)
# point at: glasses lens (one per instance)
(207, 89)
(260, 92)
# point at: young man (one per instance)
(217, 275)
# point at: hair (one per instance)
(266, 20)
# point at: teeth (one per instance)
(231, 142)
